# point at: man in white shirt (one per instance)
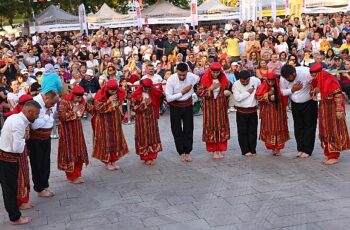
(178, 91)
(156, 78)
(12, 144)
(296, 83)
(246, 117)
(39, 144)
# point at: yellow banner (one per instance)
(296, 8)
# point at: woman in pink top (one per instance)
(274, 65)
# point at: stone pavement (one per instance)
(263, 192)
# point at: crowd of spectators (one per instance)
(129, 54)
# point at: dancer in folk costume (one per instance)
(216, 126)
(273, 114)
(23, 174)
(146, 102)
(332, 127)
(108, 137)
(72, 152)
(13, 166)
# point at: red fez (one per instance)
(112, 84)
(315, 68)
(24, 98)
(215, 66)
(78, 90)
(271, 76)
(147, 82)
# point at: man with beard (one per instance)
(178, 91)
(296, 83)
(246, 117)
(12, 146)
(39, 144)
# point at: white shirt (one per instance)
(90, 64)
(174, 86)
(156, 78)
(316, 46)
(15, 96)
(217, 90)
(241, 95)
(44, 121)
(302, 95)
(12, 137)
(283, 47)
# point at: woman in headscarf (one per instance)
(216, 127)
(108, 137)
(146, 103)
(273, 114)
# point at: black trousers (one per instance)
(305, 122)
(39, 155)
(9, 185)
(247, 128)
(182, 128)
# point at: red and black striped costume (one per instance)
(108, 138)
(273, 114)
(147, 138)
(72, 152)
(216, 126)
(333, 132)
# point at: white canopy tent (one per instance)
(163, 8)
(107, 17)
(325, 6)
(163, 12)
(214, 10)
(107, 14)
(214, 6)
(54, 19)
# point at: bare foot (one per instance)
(148, 162)
(45, 193)
(299, 154)
(277, 152)
(115, 165)
(25, 206)
(183, 157)
(331, 162)
(188, 158)
(78, 180)
(324, 160)
(304, 155)
(21, 220)
(216, 155)
(152, 162)
(248, 154)
(221, 155)
(110, 167)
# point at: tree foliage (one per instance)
(11, 9)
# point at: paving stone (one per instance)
(258, 193)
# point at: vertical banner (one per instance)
(194, 13)
(273, 10)
(296, 8)
(248, 9)
(83, 20)
(138, 14)
(287, 7)
(260, 9)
